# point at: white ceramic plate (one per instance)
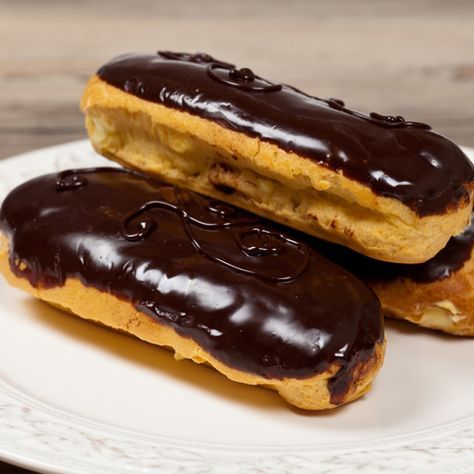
(77, 398)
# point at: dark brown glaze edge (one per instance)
(445, 264)
(393, 157)
(43, 271)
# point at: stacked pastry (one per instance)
(159, 250)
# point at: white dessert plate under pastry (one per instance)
(78, 398)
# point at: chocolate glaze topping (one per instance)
(447, 262)
(256, 296)
(394, 157)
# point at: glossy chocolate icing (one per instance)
(394, 157)
(443, 265)
(256, 296)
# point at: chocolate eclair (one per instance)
(437, 294)
(387, 187)
(217, 285)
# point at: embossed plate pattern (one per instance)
(77, 398)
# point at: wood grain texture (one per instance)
(409, 58)
(413, 58)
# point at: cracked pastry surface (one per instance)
(213, 283)
(385, 187)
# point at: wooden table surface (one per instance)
(412, 58)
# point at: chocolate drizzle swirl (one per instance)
(199, 58)
(258, 242)
(243, 78)
(74, 178)
(194, 58)
(68, 180)
(208, 270)
(253, 240)
(394, 157)
(396, 121)
(390, 121)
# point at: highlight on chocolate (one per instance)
(385, 186)
(217, 285)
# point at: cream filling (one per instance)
(187, 161)
(442, 315)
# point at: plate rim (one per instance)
(32, 420)
(25, 418)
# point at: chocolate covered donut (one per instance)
(216, 284)
(387, 187)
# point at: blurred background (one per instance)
(412, 58)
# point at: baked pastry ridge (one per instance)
(437, 294)
(216, 284)
(388, 188)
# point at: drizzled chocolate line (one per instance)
(396, 121)
(389, 121)
(243, 78)
(263, 246)
(68, 180)
(268, 243)
(199, 58)
(394, 157)
(222, 209)
(74, 178)
(290, 329)
(146, 225)
(254, 241)
(262, 249)
(194, 58)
